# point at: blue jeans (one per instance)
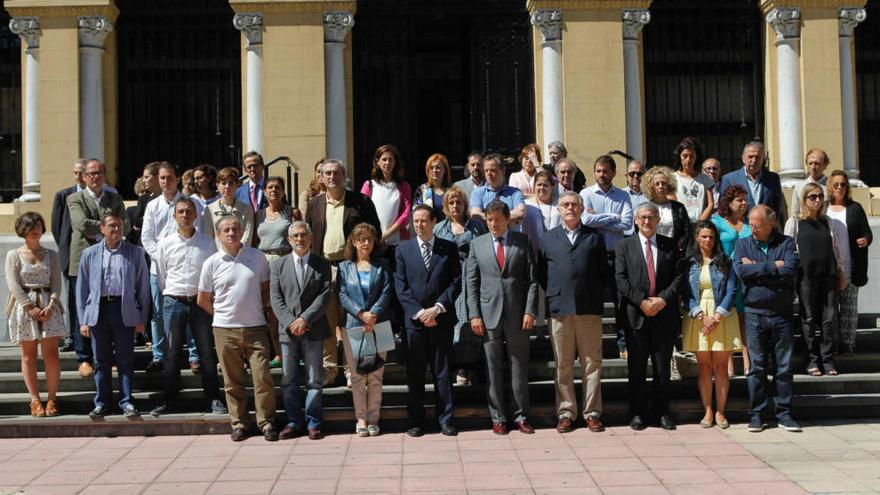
(179, 317)
(312, 354)
(157, 328)
(112, 342)
(82, 345)
(765, 334)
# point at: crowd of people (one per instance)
(233, 276)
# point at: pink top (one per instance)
(523, 182)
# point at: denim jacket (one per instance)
(723, 289)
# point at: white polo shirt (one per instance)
(235, 283)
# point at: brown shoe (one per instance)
(289, 432)
(595, 424)
(51, 408)
(564, 425)
(499, 428)
(37, 410)
(315, 434)
(525, 427)
(85, 369)
(195, 367)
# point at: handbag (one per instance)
(370, 363)
(684, 365)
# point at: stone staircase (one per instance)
(856, 392)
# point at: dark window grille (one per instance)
(867, 40)
(703, 77)
(179, 85)
(10, 111)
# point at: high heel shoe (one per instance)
(51, 408)
(37, 410)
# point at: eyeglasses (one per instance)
(646, 218)
(711, 169)
(635, 174)
(299, 235)
(95, 174)
(815, 197)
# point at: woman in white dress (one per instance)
(36, 316)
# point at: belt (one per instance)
(277, 252)
(38, 289)
(183, 299)
(110, 298)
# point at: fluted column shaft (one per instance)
(28, 28)
(549, 22)
(633, 22)
(251, 26)
(787, 24)
(93, 31)
(336, 28)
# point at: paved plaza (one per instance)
(828, 457)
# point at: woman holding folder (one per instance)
(364, 288)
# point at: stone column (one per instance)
(848, 19)
(549, 22)
(787, 24)
(633, 22)
(336, 28)
(251, 25)
(29, 30)
(93, 30)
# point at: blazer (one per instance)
(771, 189)
(418, 288)
(358, 209)
(135, 289)
(573, 275)
(290, 301)
(243, 194)
(723, 289)
(493, 292)
(61, 230)
(85, 219)
(857, 227)
(631, 275)
(767, 289)
(241, 209)
(351, 297)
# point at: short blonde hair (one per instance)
(648, 180)
(452, 193)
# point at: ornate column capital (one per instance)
(633, 22)
(93, 30)
(251, 24)
(848, 18)
(28, 28)
(786, 22)
(337, 25)
(549, 22)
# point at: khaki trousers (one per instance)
(577, 335)
(335, 319)
(235, 346)
(366, 390)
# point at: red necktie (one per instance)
(499, 255)
(652, 278)
(254, 202)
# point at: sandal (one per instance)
(832, 372)
(362, 431)
(814, 372)
(37, 410)
(51, 408)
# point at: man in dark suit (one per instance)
(61, 232)
(648, 279)
(571, 264)
(427, 281)
(252, 191)
(762, 185)
(502, 290)
(299, 288)
(331, 216)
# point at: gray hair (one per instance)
(81, 162)
(299, 224)
(769, 214)
(758, 145)
(650, 207)
(566, 194)
(564, 160)
(227, 218)
(558, 146)
(637, 162)
(333, 161)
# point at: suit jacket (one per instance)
(61, 226)
(358, 209)
(631, 275)
(418, 288)
(573, 275)
(771, 189)
(243, 194)
(85, 218)
(348, 286)
(493, 292)
(135, 289)
(309, 302)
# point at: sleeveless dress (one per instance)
(725, 337)
(21, 326)
(728, 237)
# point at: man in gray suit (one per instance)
(502, 303)
(299, 288)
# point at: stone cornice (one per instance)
(294, 6)
(768, 5)
(62, 8)
(571, 5)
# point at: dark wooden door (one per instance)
(867, 39)
(10, 111)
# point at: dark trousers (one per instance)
(112, 342)
(611, 288)
(81, 345)
(176, 315)
(653, 340)
(766, 334)
(311, 353)
(508, 344)
(818, 305)
(423, 346)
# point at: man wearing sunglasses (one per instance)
(634, 172)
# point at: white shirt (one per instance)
(642, 240)
(159, 223)
(236, 283)
(179, 263)
(571, 234)
(837, 222)
(95, 197)
(386, 197)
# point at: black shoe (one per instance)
(238, 434)
(415, 431)
(129, 411)
(67, 346)
(217, 407)
(99, 412)
(666, 422)
(637, 423)
(270, 433)
(448, 430)
(161, 409)
(154, 367)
